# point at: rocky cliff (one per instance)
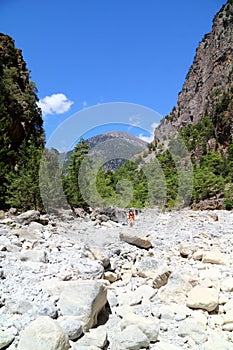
(209, 80)
(22, 117)
(21, 127)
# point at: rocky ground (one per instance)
(92, 283)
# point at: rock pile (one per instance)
(89, 282)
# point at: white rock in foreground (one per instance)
(166, 346)
(227, 285)
(95, 337)
(150, 327)
(203, 298)
(71, 326)
(228, 317)
(34, 256)
(84, 299)
(5, 338)
(132, 338)
(176, 289)
(44, 334)
(214, 257)
(216, 341)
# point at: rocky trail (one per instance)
(93, 283)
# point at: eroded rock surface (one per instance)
(75, 284)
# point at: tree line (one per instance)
(32, 177)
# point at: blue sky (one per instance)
(87, 52)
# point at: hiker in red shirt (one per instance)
(131, 217)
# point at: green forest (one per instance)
(29, 180)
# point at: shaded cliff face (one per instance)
(209, 78)
(20, 116)
(21, 128)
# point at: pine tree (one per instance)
(71, 178)
(51, 186)
(22, 190)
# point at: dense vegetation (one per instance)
(21, 131)
(212, 156)
(134, 184)
(167, 180)
(30, 180)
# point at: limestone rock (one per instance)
(141, 242)
(186, 250)
(227, 285)
(95, 337)
(89, 268)
(99, 254)
(145, 292)
(34, 255)
(228, 317)
(129, 298)
(102, 217)
(6, 337)
(203, 298)
(28, 216)
(71, 326)
(194, 330)
(166, 346)
(228, 305)
(44, 334)
(197, 255)
(75, 346)
(132, 338)
(150, 327)
(115, 214)
(217, 341)
(110, 276)
(176, 289)
(228, 327)
(26, 235)
(149, 267)
(84, 299)
(214, 257)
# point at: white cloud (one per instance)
(149, 138)
(154, 126)
(135, 120)
(54, 104)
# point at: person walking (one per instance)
(131, 217)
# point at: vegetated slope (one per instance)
(203, 116)
(21, 130)
(105, 174)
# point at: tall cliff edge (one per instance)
(209, 79)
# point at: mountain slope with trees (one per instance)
(203, 117)
(21, 130)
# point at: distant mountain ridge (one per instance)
(119, 135)
(117, 145)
